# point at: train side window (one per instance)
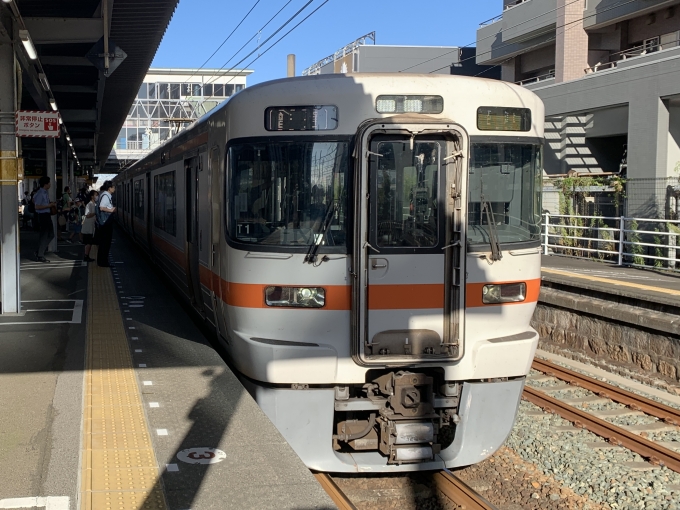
(139, 199)
(165, 203)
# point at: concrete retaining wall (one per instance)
(608, 330)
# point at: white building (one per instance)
(169, 100)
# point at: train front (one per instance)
(384, 259)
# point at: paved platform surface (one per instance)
(651, 285)
(41, 378)
(116, 427)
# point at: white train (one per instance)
(367, 249)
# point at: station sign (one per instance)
(35, 124)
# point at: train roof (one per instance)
(355, 96)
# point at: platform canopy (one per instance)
(72, 40)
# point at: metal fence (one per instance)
(653, 197)
(639, 242)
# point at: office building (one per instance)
(609, 75)
(361, 57)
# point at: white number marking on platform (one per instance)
(202, 455)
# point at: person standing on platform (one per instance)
(43, 209)
(26, 213)
(104, 212)
(88, 225)
(75, 220)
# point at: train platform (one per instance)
(660, 287)
(113, 397)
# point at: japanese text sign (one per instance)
(37, 124)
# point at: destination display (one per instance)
(498, 118)
(301, 118)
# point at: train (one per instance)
(366, 247)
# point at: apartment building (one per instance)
(609, 74)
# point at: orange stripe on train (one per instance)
(339, 297)
(405, 297)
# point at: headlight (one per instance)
(504, 293)
(297, 297)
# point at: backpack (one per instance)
(102, 217)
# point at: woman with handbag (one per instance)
(104, 212)
(88, 228)
(43, 212)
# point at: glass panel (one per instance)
(195, 89)
(142, 94)
(218, 90)
(139, 199)
(289, 193)
(228, 90)
(505, 189)
(238, 88)
(406, 208)
(174, 91)
(208, 89)
(165, 210)
(152, 91)
(163, 92)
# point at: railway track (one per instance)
(445, 482)
(459, 492)
(651, 450)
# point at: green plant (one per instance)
(619, 184)
(606, 242)
(658, 252)
(635, 249)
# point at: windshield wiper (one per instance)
(314, 248)
(496, 253)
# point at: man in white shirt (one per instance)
(43, 206)
(89, 221)
(106, 209)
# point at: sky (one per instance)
(199, 27)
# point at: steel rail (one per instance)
(336, 494)
(459, 492)
(654, 452)
(628, 398)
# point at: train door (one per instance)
(133, 207)
(149, 213)
(128, 206)
(203, 222)
(191, 166)
(214, 198)
(412, 252)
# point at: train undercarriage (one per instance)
(404, 415)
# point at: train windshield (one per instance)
(289, 193)
(504, 190)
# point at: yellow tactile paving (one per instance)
(119, 469)
(611, 281)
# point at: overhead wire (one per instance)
(264, 42)
(255, 35)
(268, 39)
(225, 40)
(542, 43)
(283, 36)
